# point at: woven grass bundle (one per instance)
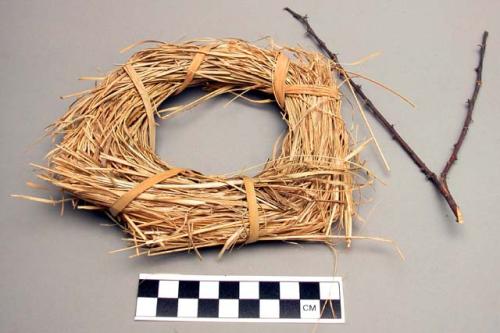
(105, 155)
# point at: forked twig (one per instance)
(440, 182)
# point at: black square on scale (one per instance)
(249, 308)
(289, 308)
(189, 289)
(208, 308)
(166, 307)
(327, 310)
(148, 288)
(229, 289)
(269, 290)
(309, 290)
(330, 309)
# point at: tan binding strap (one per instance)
(195, 65)
(253, 212)
(127, 198)
(298, 89)
(279, 77)
(150, 112)
(280, 89)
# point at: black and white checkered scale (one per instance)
(231, 298)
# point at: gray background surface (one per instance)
(56, 273)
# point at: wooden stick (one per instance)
(440, 182)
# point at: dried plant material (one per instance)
(105, 155)
(440, 182)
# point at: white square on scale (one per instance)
(289, 290)
(228, 308)
(168, 289)
(310, 309)
(329, 290)
(249, 290)
(209, 289)
(269, 308)
(146, 307)
(188, 307)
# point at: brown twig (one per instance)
(470, 108)
(440, 182)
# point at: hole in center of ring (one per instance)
(220, 136)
